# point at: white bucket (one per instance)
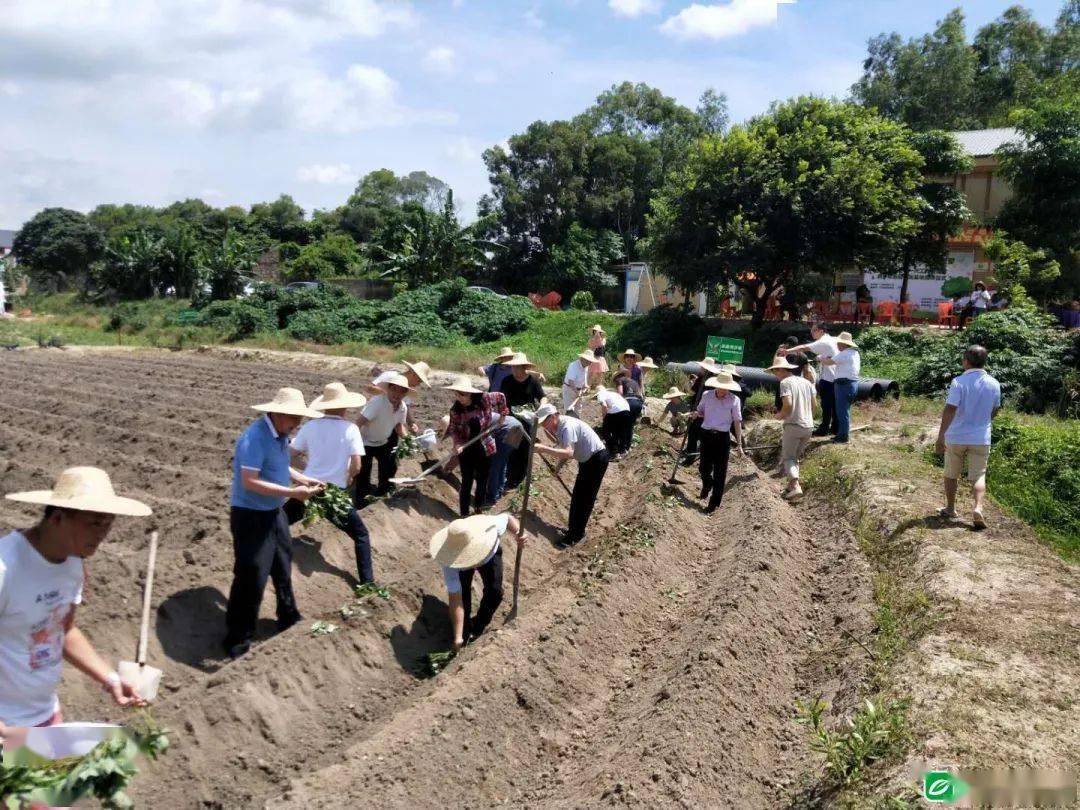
(144, 679)
(68, 739)
(427, 440)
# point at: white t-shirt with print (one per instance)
(36, 597)
(382, 420)
(329, 443)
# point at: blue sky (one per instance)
(237, 101)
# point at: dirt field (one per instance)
(656, 665)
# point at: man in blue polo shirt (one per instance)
(973, 400)
(262, 481)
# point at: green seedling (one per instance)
(332, 504)
(321, 628)
(407, 447)
(371, 589)
(435, 662)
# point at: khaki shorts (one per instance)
(977, 456)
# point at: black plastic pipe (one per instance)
(874, 388)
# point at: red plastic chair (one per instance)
(945, 316)
(907, 309)
(886, 311)
(821, 309)
(865, 309)
(846, 311)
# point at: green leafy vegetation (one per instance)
(435, 662)
(874, 732)
(323, 628)
(332, 504)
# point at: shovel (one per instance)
(144, 679)
(408, 482)
(521, 520)
(678, 458)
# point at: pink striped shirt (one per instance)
(719, 412)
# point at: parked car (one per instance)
(297, 286)
(489, 291)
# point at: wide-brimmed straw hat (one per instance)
(463, 385)
(519, 359)
(86, 489)
(597, 328)
(587, 355)
(288, 401)
(628, 353)
(400, 380)
(465, 542)
(336, 396)
(730, 369)
(723, 380)
(504, 354)
(647, 363)
(421, 370)
(710, 365)
(781, 362)
(845, 338)
(674, 392)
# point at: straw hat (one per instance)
(463, 385)
(504, 354)
(730, 369)
(400, 380)
(587, 355)
(709, 365)
(545, 412)
(845, 339)
(628, 353)
(519, 359)
(86, 489)
(675, 392)
(723, 380)
(597, 328)
(781, 362)
(287, 401)
(421, 370)
(647, 363)
(336, 396)
(465, 542)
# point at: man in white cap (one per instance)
(263, 480)
(466, 547)
(577, 441)
(381, 422)
(576, 381)
(335, 450)
(41, 583)
(797, 414)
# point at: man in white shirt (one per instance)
(334, 449)
(41, 583)
(576, 381)
(823, 346)
(384, 416)
(618, 425)
(974, 399)
(846, 365)
(577, 441)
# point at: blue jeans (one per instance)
(845, 395)
(497, 477)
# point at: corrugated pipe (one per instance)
(874, 388)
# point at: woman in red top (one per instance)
(472, 413)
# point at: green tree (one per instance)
(1043, 169)
(379, 198)
(1016, 263)
(942, 209)
(227, 266)
(181, 261)
(131, 268)
(1063, 49)
(712, 111)
(58, 246)
(280, 221)
(812, 186)
(1011, 53)
(581, 261)
(333, 256)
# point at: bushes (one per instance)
(238, 319)
(482, 316)
(128, 318)
(583, 300)
(425, 328)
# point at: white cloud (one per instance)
(722, 20)
(634, 8)
(327, 174)
(441, 60)
(533, 18)
(463, 150)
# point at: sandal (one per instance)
(947, 512)
(977, 521)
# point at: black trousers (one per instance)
(515, 469)
(827, 395)
(715, 450)
(475, 469)
(693, 436)
(262, 549)
(354, 527)
(491, 575)
(618, 431)
(586, 488)
(384, 454)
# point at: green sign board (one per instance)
(725, 349)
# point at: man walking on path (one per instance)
(262, 481)
(846, 365)
(576, 381)
(466, 547)
(697, 390)
(578, 441)
(720, 415)
(41, 583)
(797, 414)
(972, 402)
(383, 417)
(823, 346)
(335, 450)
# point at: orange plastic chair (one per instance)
(886, 311)
(945, 316)
(846, 311)
(864, 310)
(906, 310)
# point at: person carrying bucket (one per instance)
(335, 450)
(41, 584)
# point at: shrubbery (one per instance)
(425, 328)
(583, 300)
(237, 319)
(482, 316)
(665, 331)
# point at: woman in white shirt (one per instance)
(980, 300)
(846, 364)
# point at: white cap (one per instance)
(544, 412)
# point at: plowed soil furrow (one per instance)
(655, 665)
